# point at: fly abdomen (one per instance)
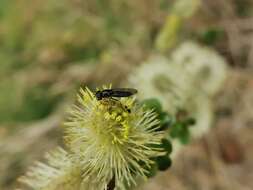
(123, 92)
(115, 92)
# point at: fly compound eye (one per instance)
(99, 95)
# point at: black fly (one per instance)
(115, 92)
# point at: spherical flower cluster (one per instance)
(59, 173)
(160, 78)
(205, 66)
(187, 80)
(112, 139)
(110, 143)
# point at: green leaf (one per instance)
(167, 146)
(153, 104)
(181, 131)
(176, 130)
(152, 170)
(165, 120)
(190, 121)
(185, 135)
(163, 162)
(211, 35)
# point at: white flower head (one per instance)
(111, 139)
(202, 111)
(203, 65)
(160, 78)
(59, 173)
(187, 80)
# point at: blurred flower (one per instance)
(162, 79)
(187, 80)
(112, 139)
(180, 11)
(202, 110)
(203, 65)
(60, 173)
(185, 8)
(192, 70)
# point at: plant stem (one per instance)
(111, 184)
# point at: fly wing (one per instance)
(123, 92)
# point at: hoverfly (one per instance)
(115, 92)
(111, 94)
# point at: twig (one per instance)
(111, 184)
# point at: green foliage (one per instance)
(165, 120)
(164, 117)
(180, 130)
(166, 145)
(152, 104)
(3, 7)
(152, 171)
(243, 7)
(163, 162)
(37, 104)
(32, 104)
(211, 35)
(178, 127)
(164, 4)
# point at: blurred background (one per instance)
(190, 54)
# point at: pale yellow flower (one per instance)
(106, 139)
(112, 139)
(59, 173)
